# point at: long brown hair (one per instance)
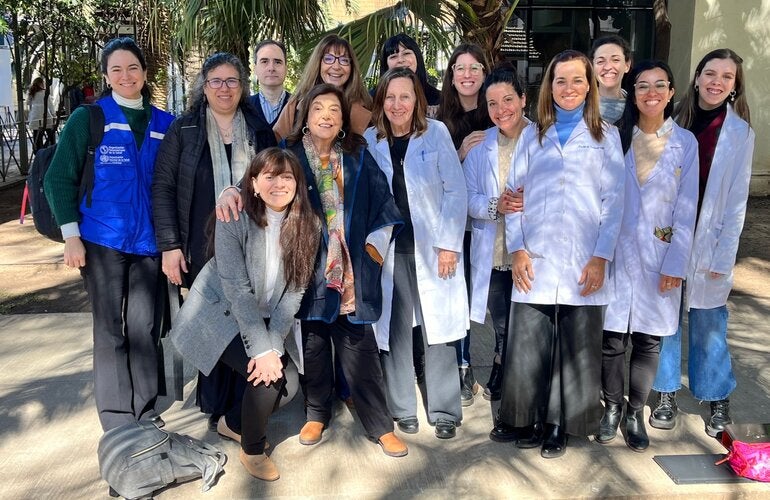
(300, 229)
(353, 89)
(450, 110)
(685, 110)
(350, 142)
(546, 114)
(419, 121)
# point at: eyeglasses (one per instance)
(475, 68)
(331, 58)
(216, 83)
(661, 86)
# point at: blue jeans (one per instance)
(709, 366)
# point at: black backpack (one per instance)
(45, 223)
(138, 458)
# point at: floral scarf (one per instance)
(338, 269)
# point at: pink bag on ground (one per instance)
(751, 460)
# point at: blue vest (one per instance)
(120, 215)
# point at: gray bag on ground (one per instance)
(138, 458)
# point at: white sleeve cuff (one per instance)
(70, 229)
(380, 239)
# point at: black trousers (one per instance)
(258, 403)
(552, 367)
(356, 348)
(122, 289)
(645, 352)
(499, 306)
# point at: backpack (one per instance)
(138, 458)
(45, 223)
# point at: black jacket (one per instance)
(179, 156)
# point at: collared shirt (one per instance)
(271, 111)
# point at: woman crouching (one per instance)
(269, 253)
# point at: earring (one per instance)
(696, 87)
(256, 194)
(732, 95)
(305, 130)
(341, 134)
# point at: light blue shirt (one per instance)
(269, 110)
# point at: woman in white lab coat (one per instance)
(715, 110)
(486, 170)
(661, 198)
(570, 165)
(422, 282)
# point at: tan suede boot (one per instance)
(260, 466)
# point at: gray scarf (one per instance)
(227, 174)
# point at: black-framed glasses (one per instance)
(331, 58)
(216, 83)
(661, 86)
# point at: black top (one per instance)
(704, 117)
(470, 121)
(405, 239)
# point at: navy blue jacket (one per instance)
(369, 206)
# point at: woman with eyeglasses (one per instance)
(611, 57)
(205, 150)
(570, 164)
(661, 197)
(334, 62)
(715, 109)
(462, 111)
(109, 235)
(401, 51)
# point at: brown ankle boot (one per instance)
(260, 466)
(311, 432)
(392, 446)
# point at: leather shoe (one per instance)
(260, 466)
(445, 429)
(503, 433)
(468, 385)
(530, 436)
(409, 425)
(554, 443)
(720, 417)
(636, 434)
(226, 432)
(494, 389)
(311, 432)
(608, 427)
(664, 414)
(392, 446)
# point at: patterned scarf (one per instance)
(339, 268)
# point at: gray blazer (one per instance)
(222, 301)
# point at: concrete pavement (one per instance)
(49, 433)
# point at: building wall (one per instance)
(699, 27)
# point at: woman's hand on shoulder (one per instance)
(230, 201)
(470, 140)
(74, 252)
(267, 368)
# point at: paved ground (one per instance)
(49, 430)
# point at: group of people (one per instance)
(343, 239)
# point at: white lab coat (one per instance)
(669, 198)
(437, 202)
(722, 214)
(573, 206)
(482, 180)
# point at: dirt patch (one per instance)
(33, 278)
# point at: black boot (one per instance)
(554, 442)
(494, 388)
(608, 427)
(664, 414)
(720, 417)
(468, 385)
(636, 434)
